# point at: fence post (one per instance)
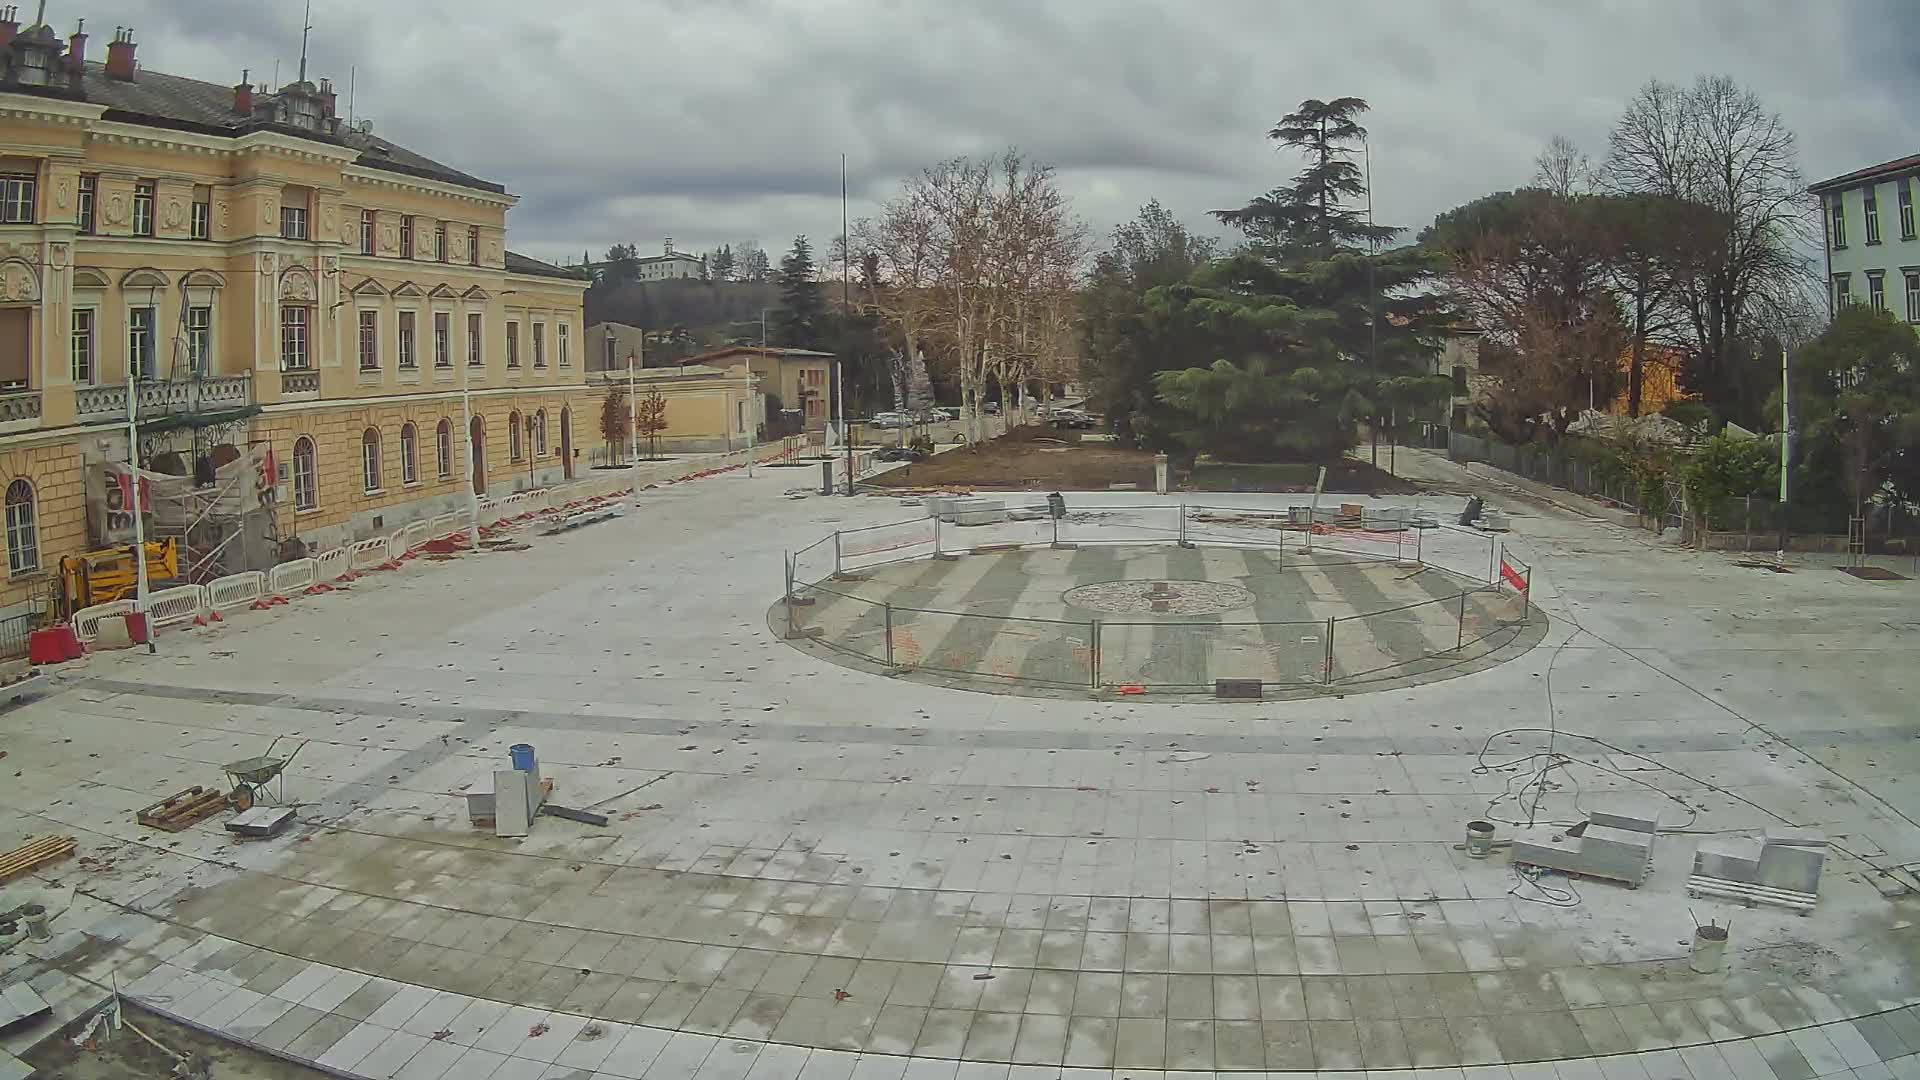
(1460, 639)
(1182, 508)
(887, 614)
(1056, 527)
(1419, 546)
(1493, 558)
(936, 536)
(786, 560)
(836, 553)
(1093, 655)
(1327, 676)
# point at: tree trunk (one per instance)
(1636, 367)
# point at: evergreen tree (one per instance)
(720, 263)
(1308, 333)
(801, 319)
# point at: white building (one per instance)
(1873, 253)
(672, 264)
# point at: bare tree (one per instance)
(1714, 144)
(1563, 168)
(970, 256)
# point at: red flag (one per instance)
(1512, 576)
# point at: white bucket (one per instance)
(1479, 839)
(1709, 949)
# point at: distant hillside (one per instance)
(696, 315)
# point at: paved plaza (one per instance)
(819, 871)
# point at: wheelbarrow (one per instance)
(251, 776)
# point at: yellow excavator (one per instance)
(97, 577)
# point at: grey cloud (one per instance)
(717, 120)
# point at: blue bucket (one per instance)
(521, 755)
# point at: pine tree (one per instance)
(1310, 333)
(801, 319)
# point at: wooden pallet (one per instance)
(179, 811)
(1702, 885)
(34, 852)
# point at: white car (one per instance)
(891, 420)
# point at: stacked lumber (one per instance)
(181, 810)
(34, 852)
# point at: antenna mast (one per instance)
(307, 24)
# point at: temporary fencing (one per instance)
(1471, 611)
(182, 603)
(86, 621)
(236, 590)
(297, 575)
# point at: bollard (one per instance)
(1328, 677)
(836, 553)
(886, 613)
(1184, 542)
(1160, 474)
(35, 918)
(1460, 639)
(1093, 654)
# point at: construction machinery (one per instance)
(98, 577)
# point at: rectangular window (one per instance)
(1913, 296)
(1842, 292)
(16, 200)
(440, 241)
(409, 359)
(369, 341)
(293, 339)
(16, 348)
(609, 351)
(442, 339)
(306, 481)
(539, 345)
(474, 353)
(1877, 291)
(140, 352)
(200, 340)
(565, 359)
(1906, 208)
(406, 236)
(293, 223)
(370, 463)
(1837, 221)
(83, 346)
(409, 454)
(201, 227)
(143, 208)
(1870, 199)
(513, 344)
(443, 450)
(89, 191)
(366, 232)
(473, 245)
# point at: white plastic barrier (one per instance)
(236, 590)
(332, 564)
(293, 576)
(445, 525)
(414, 535)
(176, 605)
(86, 621)
(367, 554)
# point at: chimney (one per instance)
(9, 23)
(328, 99)
(77, 46)
(120, 54)
(243, 93)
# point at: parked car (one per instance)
(898, 453)
(1071, 418)
(948, 413)
(991, 408)
(891, 420)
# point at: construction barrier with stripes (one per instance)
(182, 604)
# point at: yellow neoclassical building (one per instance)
(300, 309)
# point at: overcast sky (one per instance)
(715, 121)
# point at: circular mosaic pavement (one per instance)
(1159, 597)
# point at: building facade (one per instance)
(796, 385)
(1872, 247)
(257, 279)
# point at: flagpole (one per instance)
(140, 587)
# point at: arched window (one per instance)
(443, 448)
(540, 434)
(23, 539)
(370, 459)
(409, 453)
(513, 435)
(306, 478)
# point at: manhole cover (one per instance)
(1159, 597)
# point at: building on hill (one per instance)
(669, 265)
(270, 286)
(796, 384)
(1872, 246)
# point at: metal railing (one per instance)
(1486, 608)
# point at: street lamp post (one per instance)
(633, 417)
(1373, 315)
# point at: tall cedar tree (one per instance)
(800, 322)
(1309, 332)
